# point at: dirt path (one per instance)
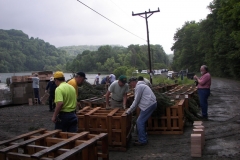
(222, 131)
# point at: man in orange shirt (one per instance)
(79, 78)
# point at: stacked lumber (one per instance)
(115, 122)
(57, 145)
(197, 139)
(21, 92)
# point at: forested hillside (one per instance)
(108, 58)
(75, 50)
(214, 41)
(20, 53)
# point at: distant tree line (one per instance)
(20, 53)
(214, 41)
(75, 50)
(108, 58)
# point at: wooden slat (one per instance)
(14, 155)
(92, 111)
(113, 111)
(29, 141)
(59, 145)
(80, 147)
(22, 136)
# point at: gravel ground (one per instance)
(222, 131)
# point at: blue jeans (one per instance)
(36, 94)
(203, 94)
(141, 123)
(67, 122)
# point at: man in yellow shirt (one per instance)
(64, 115)
(79, 78)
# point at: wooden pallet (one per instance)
(115, 122)
(171, 123)
(57, 145)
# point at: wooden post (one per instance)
(199, 131)
(196, 149)
(203, 128)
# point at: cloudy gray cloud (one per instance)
(68, 22)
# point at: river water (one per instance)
(90, 77)
(5, 93)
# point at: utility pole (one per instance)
(146, 16)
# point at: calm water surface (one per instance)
(90, 77)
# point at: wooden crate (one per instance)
(16, 79)
(57, 145)
(115, 122)
(171, 123)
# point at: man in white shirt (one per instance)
(35, 85)
(112, 78)
(145, 99)
(96, 81)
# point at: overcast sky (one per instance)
(68, 22)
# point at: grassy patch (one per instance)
(162, 79)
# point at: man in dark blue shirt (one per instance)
(51, 87)
(105, 80)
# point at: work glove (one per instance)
(128, 111)
(124, 106)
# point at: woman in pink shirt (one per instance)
(204, 83)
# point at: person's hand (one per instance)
(54, 119)
(124, 106)
(195, 77)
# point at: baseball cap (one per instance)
(58, 74)
(81, 74)
(123, 79)
(132, 79)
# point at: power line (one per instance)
(110, 20)
(124, 12)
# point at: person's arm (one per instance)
(204, 79)
(47, 88)
(124, 100)
(58, 108)
(107, 98)
(137, 98)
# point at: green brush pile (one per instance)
(192, 114)
(162, 103)
(88, 91)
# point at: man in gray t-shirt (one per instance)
(119, 91)
(35, 85)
